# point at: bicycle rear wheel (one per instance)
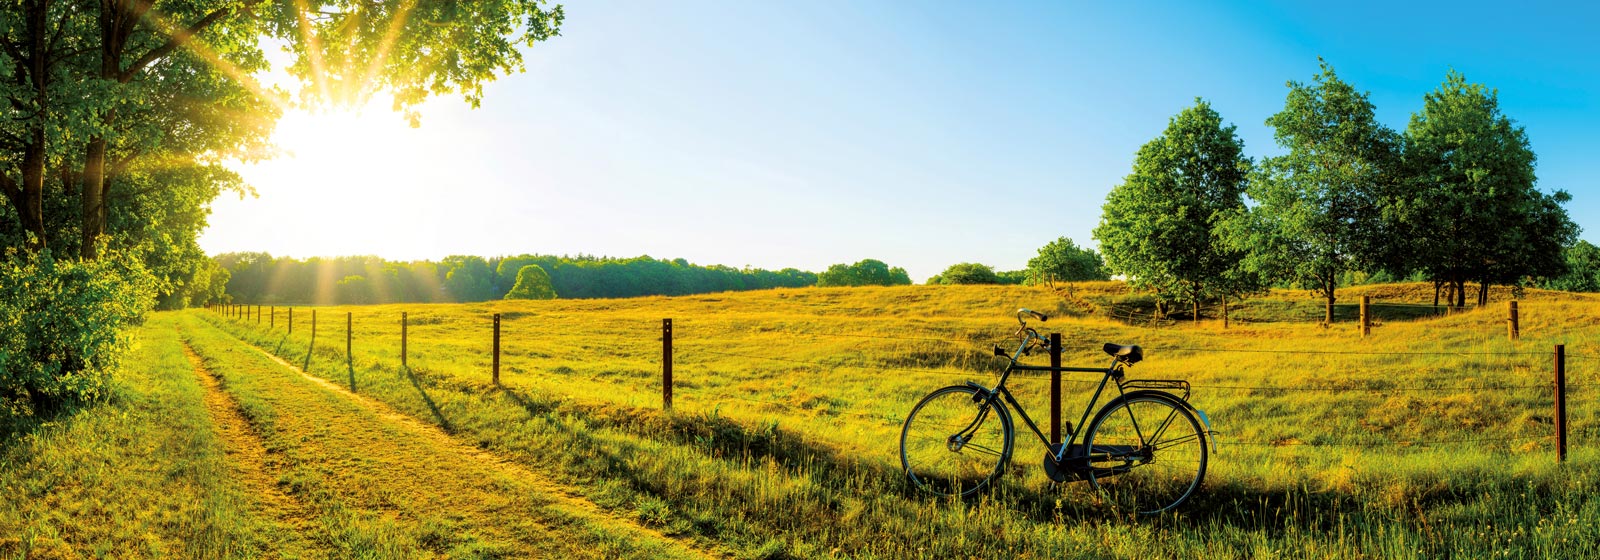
(1147, 452)
(955, 441)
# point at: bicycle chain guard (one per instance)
(1074, 466)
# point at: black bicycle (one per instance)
(1145, 451)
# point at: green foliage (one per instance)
(63, 328)
(1014, 277)
(1470, 198)
(1583, 269)
(1319, 208)
(208, 285)
(354, 290)
(867, 272)
(532, 283)
(966, 273)
(1063, 261)
(469, 279)
(1162, 227)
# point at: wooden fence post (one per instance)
(258, 314)
(666, 364)
(1055, 389)
(347, 323)
(1512, 328)
(272, 316)
(1366, 317)
(291, 320)
(496, 348)
(313, 325)
(1561, 403)
(402, 339)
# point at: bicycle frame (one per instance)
(1111, 372)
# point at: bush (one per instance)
(64, 328)
(967, 273)
(532, 283)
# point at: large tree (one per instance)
(1162, 226)
(92, 89)
(1470, 207)
(1318, 207)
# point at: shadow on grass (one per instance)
(432, 407)
(350, 366)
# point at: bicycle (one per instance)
(1145, 451)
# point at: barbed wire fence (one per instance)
(249, 314)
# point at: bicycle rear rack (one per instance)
(1172, 385)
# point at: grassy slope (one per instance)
(789, 457)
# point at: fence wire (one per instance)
(1223, 440)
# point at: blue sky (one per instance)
(919, 133)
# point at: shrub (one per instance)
(64, 327)
(968, 273)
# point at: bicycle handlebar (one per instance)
(1025, 311)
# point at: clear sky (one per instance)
(802, 134)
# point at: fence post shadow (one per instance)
(306, 367)
(427, 400)
(350, 365)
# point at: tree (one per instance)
(1162, 227)
(1583, 269)
(1061, 260)
(967, 273)
(97, 95)
(867, 272)
(468, 279)
(1470, 199)
(1318, 208)
(532, 283)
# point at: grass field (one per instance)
(1429, 438)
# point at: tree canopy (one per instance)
(1061, 260)
(1319, 207)
(1469, 202)
(532, 283)
(1162, 227)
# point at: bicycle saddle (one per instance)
(1127, 354)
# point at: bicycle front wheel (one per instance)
(955, 441)
(1147, 452)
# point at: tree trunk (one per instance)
(1460, 290)
(1436, 285)
(1196, 311)
(1328, 317)
(94, 191)
(31, 208)
(1224, 312)
(1483, 294)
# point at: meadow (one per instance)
(1431, 437)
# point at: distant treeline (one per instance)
(262, 278)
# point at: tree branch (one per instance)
(181, 38)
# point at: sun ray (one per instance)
(313, 46)
(396, 24)
(199, 47)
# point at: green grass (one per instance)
(141, 476)
(787, 447)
